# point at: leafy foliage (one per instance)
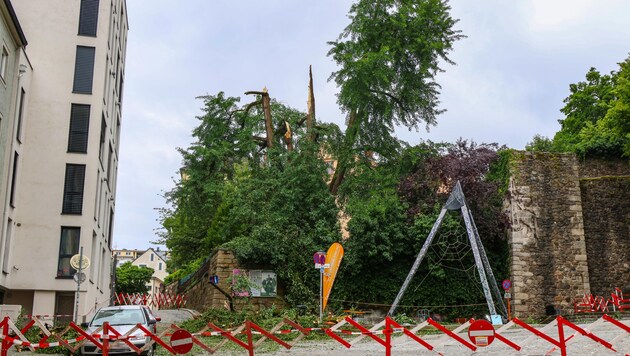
(257, 185)
(132, 279)
(597, 121)
(389, 56)
(393, 210)
(283, 215)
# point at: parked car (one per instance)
(122, 318)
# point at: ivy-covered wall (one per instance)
(570, 232)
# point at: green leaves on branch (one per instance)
(597, 121)
(388, 57)
(132, 279)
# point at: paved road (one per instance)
(582, 346)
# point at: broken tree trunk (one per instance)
(266, 102)
(311, 105)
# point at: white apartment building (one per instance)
(62, 195)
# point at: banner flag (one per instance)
(333, 258)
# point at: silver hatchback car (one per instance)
(122, 318)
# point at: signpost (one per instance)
(507, 284)
(181, 341)
(481, 333)
(79, 262)
(320, 262)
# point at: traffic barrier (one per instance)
(159, 300)
(599, 304)
(347, 332)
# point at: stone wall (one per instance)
(606, 207)
(201, 295)
(570, 230)
(548, 250)
(597, 167)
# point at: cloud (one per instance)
(512, 73)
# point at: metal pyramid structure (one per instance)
(457, 201)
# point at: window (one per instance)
(69, 246)
(111, 227)
(4, 62)
(110, 164)
(83, 70)
(88, 17)
(101, 146)
(93, 253)
(79, 126)
(159, 266)
(73, 189)
(151, 257)
(142, 265)
(18, 134)
(16, 157)
(7, 247)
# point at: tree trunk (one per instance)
(267, 111)
(311, 106)
(346, 154)
(288, 137)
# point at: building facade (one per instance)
(156, 260)
(124, 255)
(63, 199)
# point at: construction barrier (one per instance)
(159, 300)
(249, 336)
(599, 304)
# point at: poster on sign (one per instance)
(266, 283)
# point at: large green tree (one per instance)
(389, 56)
(597, 117)
(132, 279)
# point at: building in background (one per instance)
(59, 195)
(155, 259)
(124, 255)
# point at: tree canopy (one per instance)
(597, 117)
(132, 279)
(257, 178)
(389, 56)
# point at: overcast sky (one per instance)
(512, 73)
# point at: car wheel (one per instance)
(150, 351)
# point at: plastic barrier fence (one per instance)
(599, 304)
(388, 333)
(160, 300)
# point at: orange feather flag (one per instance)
(333, 258)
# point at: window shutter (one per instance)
(88, 18)
(79, 127)
(73, 189)
(84, 70)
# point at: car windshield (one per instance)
(118, 317)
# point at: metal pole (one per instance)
(76, 306)
(416, 263)
(321, 293)
(478, 262)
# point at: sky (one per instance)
(511, 75)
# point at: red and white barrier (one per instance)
(347, 332)
(160, 300)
